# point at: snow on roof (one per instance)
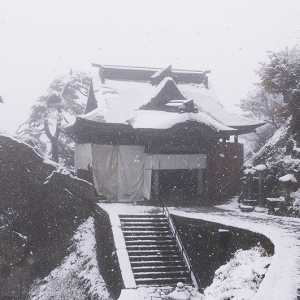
(165, 120)
(157, 89)
(118, 100)
(121, 102)
(207, 101)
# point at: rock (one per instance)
(180, 293)
(40, 208)
(289, 147)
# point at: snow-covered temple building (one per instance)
(149, 133)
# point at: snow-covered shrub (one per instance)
(295, 208)
(240, 277)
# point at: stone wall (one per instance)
(210, 245)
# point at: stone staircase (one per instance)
(153, 253)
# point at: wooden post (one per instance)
(236, 139)
(287, 197)
(261, 197)
(200, 182)
(156, 183)
(249, 186)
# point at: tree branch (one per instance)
(78, 90)
(17, 131)
(57, 130)
(72, 100)
(47, 131)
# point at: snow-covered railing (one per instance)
(195, 280)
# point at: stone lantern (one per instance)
(261, 197)
(287, 181)
(249, 172)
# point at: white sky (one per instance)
(41, 39)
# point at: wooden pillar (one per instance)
(200, 182)
(156, 183)
(250, 186)
(287, 198)
(261, 196)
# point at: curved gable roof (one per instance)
(142, 105)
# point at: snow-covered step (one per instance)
(155, 274)
(160, 246)
(150, 252)
(166, 257)
(154, 224)
(143, 217)
(162, 280)
(144, 222)
(145, 229)
(146, 235)
(163, 267)
(153, 253)
(157, 262)
(146, 241)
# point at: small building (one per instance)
(149, 133)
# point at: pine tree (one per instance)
(281, 75)
(65, 98)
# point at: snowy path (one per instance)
(283, 277)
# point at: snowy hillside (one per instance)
(78, 276)
(281, 156)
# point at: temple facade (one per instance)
(151, 133)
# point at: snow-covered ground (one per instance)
(249, 275)
(78, 276)
(282, 278)
(241, 277)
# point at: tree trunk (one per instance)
(261, 189)
(54, 150)
(53, 139)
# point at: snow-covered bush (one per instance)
(295, 196)
(240, 277)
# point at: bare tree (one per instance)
(260, 104)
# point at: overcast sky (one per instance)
(41, 39)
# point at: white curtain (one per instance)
(178, 161)
(123, 173)
(147, 176)
(118, 172)
(130, 173)
(105, 170)
(83, 156)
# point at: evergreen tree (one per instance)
(65, 98)
(281, 75)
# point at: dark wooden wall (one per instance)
(223, 169)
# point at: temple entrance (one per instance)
(180, 185)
